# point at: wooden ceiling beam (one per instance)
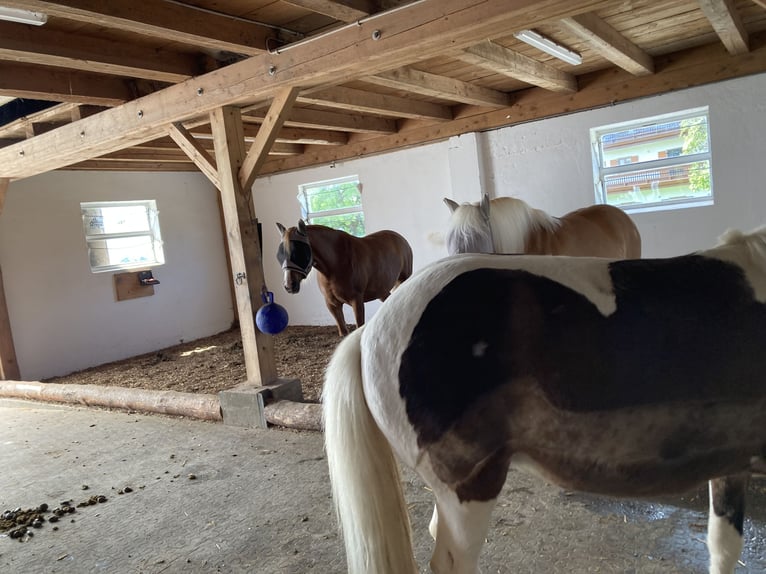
(61, 85)
(726, 22)
(433, 85)
(285, 135)
(610, 44)
(343, 10)
(169, 21)
(52, 48)
(325, 119)
(501, 60)
(415, 32)
(19, 126)
(373, 103)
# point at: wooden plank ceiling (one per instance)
(131, 85)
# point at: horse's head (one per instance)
(469, 229)
(294, 254)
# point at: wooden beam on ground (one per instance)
(244, 246)
(9, 368)
(41, 46)
(501, 60)
(193, 148)
(166, 20)
(267, 135)
(427, 84)
(415, 32)
(610, 43)
(61, 85)
(726, 22)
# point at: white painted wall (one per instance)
(65, 318)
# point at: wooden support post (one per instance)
(244, 247)
(9, 368)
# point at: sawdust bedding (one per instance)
(216, 363)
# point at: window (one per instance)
(662, 162)
(335, 203)
(122, 234)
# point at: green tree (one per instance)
(334, 197)
(694, 132)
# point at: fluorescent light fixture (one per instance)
(549, 47)
(23, 16)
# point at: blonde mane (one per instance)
(513, 221)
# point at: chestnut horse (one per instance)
(350, 269)
(510, 225)
(628, 378)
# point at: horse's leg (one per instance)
(725, 522)
(336, 308)
(461, 528)
(358, 306)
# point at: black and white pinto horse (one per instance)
(621, 377)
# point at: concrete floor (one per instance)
(260, 503)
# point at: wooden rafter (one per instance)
(61, 85)
(286, 135)
(501, 60)
(74, 51)
(169, 21)
(329, 120)
(343, 10)
(427, 84)
(610, 43)
(373, 103)
(20, 126)
(726, 22)
(415, 32)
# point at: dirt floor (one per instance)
(216, 363)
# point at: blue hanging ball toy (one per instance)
(271, 318)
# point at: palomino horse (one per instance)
(350, 269)
(621, 377)
(510, 225)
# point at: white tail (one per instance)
(366, 487)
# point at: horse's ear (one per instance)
(301, 227)
(484, 207)
(281, 228)
(453, 205)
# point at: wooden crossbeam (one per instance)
(610, 43)
(427, 84)
(343, 10)
(726, 22)
(47, 47)
(416, 32)
(166, 20)
(501, 60)
(372, 103)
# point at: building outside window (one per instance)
(334, 203)
(122, 234)
(662, 162)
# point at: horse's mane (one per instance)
(754, 242)
(467, 222)
(513, 220)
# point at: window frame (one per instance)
(600, 172)
(153, 233)
(303, 199)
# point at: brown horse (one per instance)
(350, 269)
(510, 225)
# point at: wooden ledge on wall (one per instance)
(127, 285)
